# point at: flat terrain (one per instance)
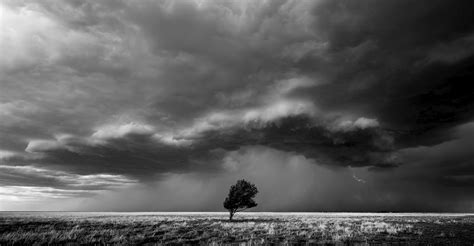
(19, 228)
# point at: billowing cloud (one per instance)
(167, 92)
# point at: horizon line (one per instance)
(246, 212)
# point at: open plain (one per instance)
(71, 228)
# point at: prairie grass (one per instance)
(247, 229)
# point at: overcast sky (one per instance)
(326, 105)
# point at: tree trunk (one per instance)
(230, 216)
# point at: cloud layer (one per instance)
(104, 97)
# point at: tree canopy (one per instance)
(240, 197)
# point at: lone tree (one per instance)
(240, 197)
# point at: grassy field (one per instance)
(20, 228)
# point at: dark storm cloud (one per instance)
(449, 163)
(349, 147)
(142, 89)
(136, 150)
(392, 61)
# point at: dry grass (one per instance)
(249, 228)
